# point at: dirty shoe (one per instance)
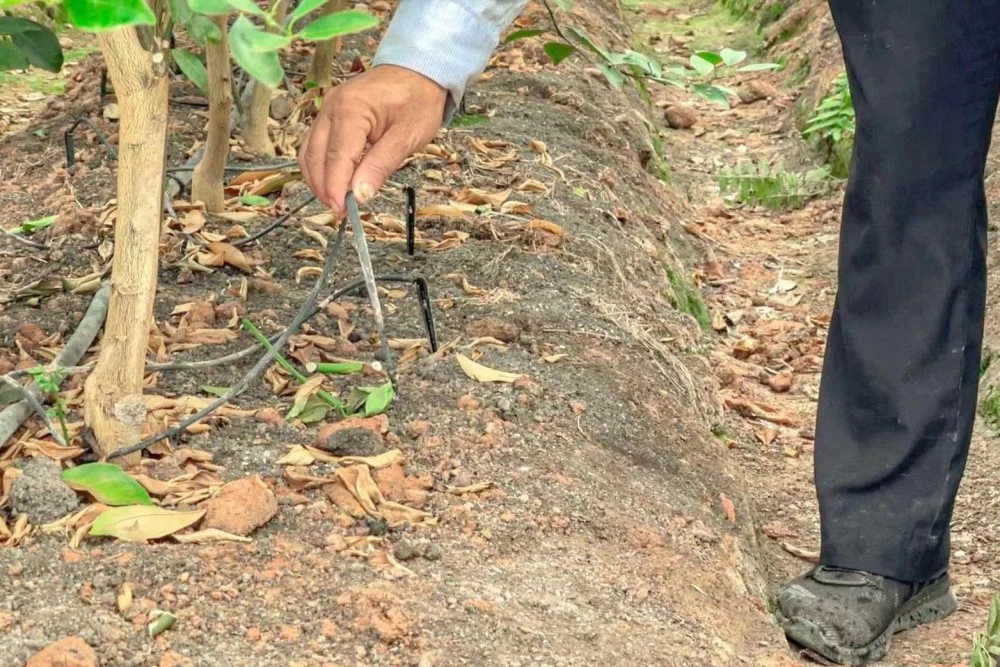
(849, 616)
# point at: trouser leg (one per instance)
(898, 393)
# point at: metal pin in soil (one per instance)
(361, 243)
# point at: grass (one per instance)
(712, 29)
(685, 298)
(38, 81)
(761, 184)
(832, 125)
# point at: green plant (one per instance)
(834, 117)
(686, 299)
(771, 186)
(48, 383)
(986, 645)
(697, 76)
(989, 409)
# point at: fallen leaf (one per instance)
(230, 255)
(107, 483)
(140, 523)
(210, 535)
(304, 393)
(481, 373)
(124, 597)
(728, 507)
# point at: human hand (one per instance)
(394, 110)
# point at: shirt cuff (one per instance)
(442, 40)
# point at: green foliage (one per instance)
(619, 67)
(773, 187)
(989, 409)
(986, 645)
(834, 117)
(33, 226)
(254, 45)
(686, 299)
(25, 43)
(108, 483)
(370, 401)
(48, 383)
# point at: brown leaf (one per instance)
(209, 535)
(231, 255)
(729, 508)
(441, 211)
(481, 373)
(478, 197)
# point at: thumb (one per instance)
(381, 161)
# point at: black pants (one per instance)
(898, 394)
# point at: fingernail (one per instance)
(364, 192)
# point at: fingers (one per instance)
(348, 137)
(381, 161)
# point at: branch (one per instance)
(14, 415)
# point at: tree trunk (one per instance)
(207, 180)
(321, 68)
(113, 404)
(258, 108)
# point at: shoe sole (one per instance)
(931, 604)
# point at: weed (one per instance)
(773, 187)
(721, 432)
(986, 360)
(686, 299)
(986, 645)
(48, 383)
(834, 117)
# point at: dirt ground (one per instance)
(634, 498)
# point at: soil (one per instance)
(616, 492)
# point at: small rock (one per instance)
(433, 552)
(281, 108)
(241, 506)
(680, 117)
(405, 550)
(754, 91)
(493, 327)
(41, 493)
(780, 382)
(353, 442)
(67, 652)
(379, 425)
(468, 403)
(417, 429)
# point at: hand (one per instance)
(393, 109)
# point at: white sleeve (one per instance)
(448, 41)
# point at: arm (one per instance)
(447, 41)
(431, 51)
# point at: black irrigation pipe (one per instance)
(70, 143)
(278, 222)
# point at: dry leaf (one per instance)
(297, 455)
(532, 185)
(481, 373)
(140, 523)
(305, 392)
(124, 597)
(468, 288)
(481, 197)
(230, 255)
(210, 535)
(441, 211)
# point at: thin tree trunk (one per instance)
(207, 180)
(113, 404)
(321, 68)
(258, 109)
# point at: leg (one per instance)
(898, 394)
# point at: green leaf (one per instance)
(565, 5)
(215, 391)
(586, 41)
(262, 41)
(255, 200)
(636, 59)
(701, 64)
(36, 42)
(379, 400)
(759, 67)
(34, 225)
(337, 24)
(711, 93)
(192, 67)
(210, 7)
(265, 67)
(11, 56)
(246, 6)
(558, 51)
(731, 57)
(522, 34)
(305, 7)
(180, 11)
(96, 15)
(108, 483)
(203, 30)
(710, 56)
(468, 120)
(614, 77)
(356, 399)
(314, 411)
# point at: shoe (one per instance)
(848, 616)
